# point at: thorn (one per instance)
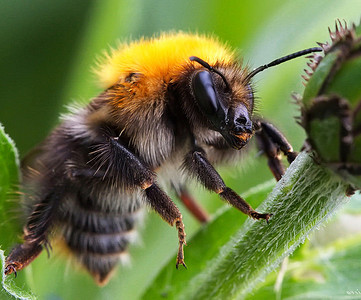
(336, 27)
(318, 58)
(340, 25)
(332, 35)
(324, 46)
(297, 97)
(305, 77)
(308, 72)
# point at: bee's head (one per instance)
(228, 106)
(228, 111)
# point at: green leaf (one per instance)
(10, 289)
(9, 200)
(9, 225)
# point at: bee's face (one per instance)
(228, 112)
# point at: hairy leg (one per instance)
(272, 142)
(197, 165)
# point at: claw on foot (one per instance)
(255, 215)
(291, 156)
(10, 269)
(181, 263)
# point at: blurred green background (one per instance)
(47, 50)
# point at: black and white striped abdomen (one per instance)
(98, 229)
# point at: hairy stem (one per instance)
(306, 195)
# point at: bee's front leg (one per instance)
(197, 164)
(272, 142)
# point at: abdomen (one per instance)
(97, 224)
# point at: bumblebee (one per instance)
(172, 106)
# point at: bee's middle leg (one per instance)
(198, 165)
(136, 173)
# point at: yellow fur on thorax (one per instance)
(160, 58)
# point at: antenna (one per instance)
(207, 66)
(282, 60)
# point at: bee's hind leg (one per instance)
(35, 232)
(191, 204)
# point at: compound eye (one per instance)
(205, 93)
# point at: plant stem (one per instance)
(305, 197)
